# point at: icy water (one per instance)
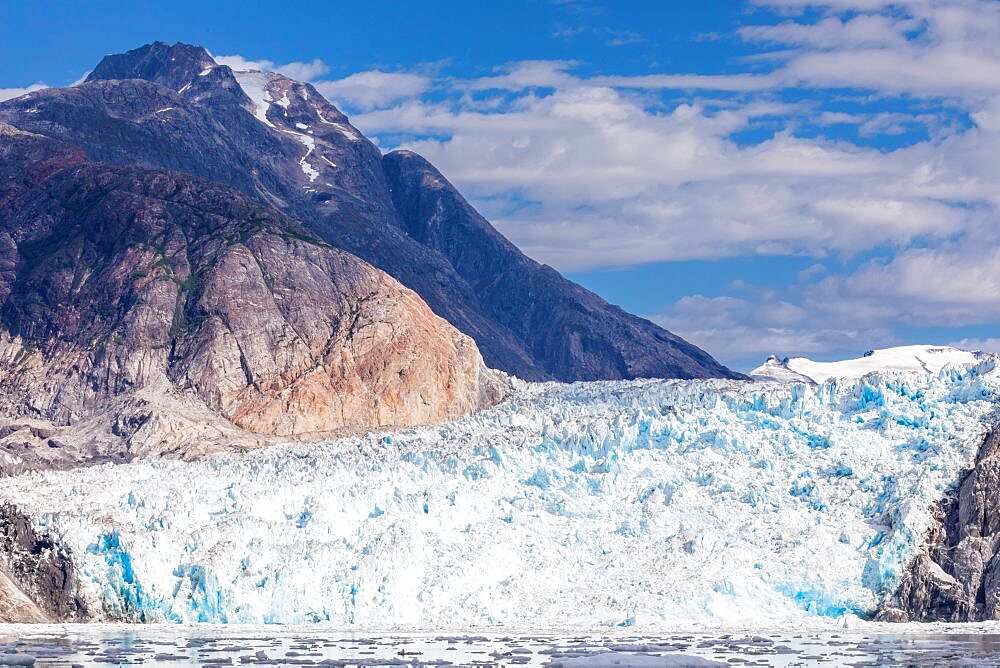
(214, 646)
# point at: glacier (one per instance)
(645, 503)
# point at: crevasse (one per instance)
(592, 504)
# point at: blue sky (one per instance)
(786, 176)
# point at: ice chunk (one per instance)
(627, 660)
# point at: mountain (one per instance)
(902, 358)
(147, 312)
(279, 142)
(660, 506)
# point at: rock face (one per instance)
(956, 575)
(573, 333)
(160, 304)
(38, 581)
(281, 143)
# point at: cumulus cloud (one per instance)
(359, 91)
(373, 89)
(11, 93)
(744, 331)
(630, 185)
(950, 286)
(585, 172)
(300, 71)
(990, 345)
(918, 48)
(528, 74)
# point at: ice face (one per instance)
(594, 504)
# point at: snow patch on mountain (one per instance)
(345, 130)
(310, 145)
(255, 84)
(902, 358)
(646, 503)
(778, 370)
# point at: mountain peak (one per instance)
(281, 143)
(170, 65)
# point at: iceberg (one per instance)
(609, 504)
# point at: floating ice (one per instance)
(642, 503)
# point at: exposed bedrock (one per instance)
(956, 575)
(282, 144)
(147, 313)
(38, 581)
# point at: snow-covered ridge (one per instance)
(616, 503)
(903, 358)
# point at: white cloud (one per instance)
(11, 93)
(362, 90)
(918, 48)
(373, 89)
(586, 172)
(304, 71)
(631, 184)
(743, 332)
(950, 286)
(300, 71)
(846, 314)
(990, 345)
(528, 74)
(865, 30)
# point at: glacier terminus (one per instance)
(645, 503)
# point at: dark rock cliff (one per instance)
(576, 334)
(956, 575)
(172, 107)
(38, 581)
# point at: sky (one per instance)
(758, 176)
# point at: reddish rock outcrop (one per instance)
(155, 302)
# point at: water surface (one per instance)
(59, 645)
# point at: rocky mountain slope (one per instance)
(281, 143)
(956, 575)
(149, 312)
